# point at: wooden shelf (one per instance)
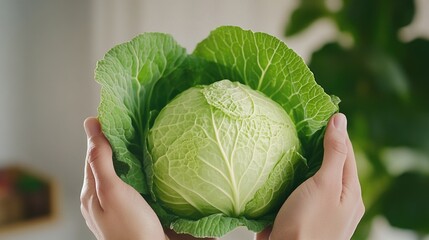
(26, 198)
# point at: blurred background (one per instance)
(374, 55)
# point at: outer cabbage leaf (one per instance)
(128, 74)
(217, 225)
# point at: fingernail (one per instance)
(340, 122)
(92, 128)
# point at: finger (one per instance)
(88, 188)
(99, 155)
(88, 181)
(350, 174)
(335, 151)
(88, 177)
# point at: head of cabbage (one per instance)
(215, 146)
(215, 139)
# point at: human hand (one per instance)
(113, 209)
(328, 205)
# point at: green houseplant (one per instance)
(382, 82)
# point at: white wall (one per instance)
(189, 21)
(46, 91)
(11, 103)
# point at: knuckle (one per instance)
(86, 192)
(84, 200)
(361, 205)
(83, 195)
(362, 208)
(357, 190)
(83, 209)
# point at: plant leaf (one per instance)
(405, 203)
(306, 14)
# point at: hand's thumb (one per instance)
(99, 153)
(335, 149)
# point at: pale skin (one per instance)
(326, 206)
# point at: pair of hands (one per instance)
(326, 206)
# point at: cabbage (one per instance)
(214, 147)
(215, 139)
